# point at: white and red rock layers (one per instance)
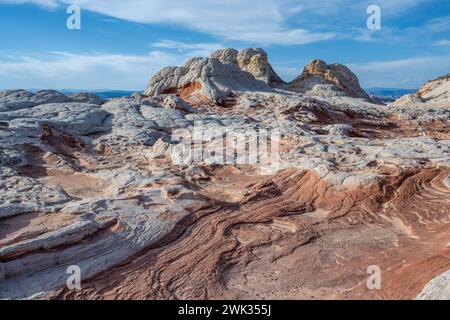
(91, 183)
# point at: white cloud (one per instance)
(43, 3)
(406, 73)
(281, 37)
(196, 49)
(442, 42)
(263, 22)
(348, 7)
(83, 71)
(397, 7)
(441, 24)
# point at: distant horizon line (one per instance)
(133, 90)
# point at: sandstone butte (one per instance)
(91, 183)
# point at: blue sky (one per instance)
(122, 43)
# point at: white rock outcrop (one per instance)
(256, 61)
(205, 76)
(437, 289)
(19, 99)
(434, 93)
(320, 77)
(225, 72)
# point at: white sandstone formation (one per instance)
(321, 78)
(437, 289)
(433, 94)
(92, 184)
(216, 78)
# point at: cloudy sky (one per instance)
(122, 43)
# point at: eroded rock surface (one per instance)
(257, 63)
(437, 289)
(318, 76)
(433, 94)
(216, 78)
(95, 185)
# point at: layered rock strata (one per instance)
(94, 184)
